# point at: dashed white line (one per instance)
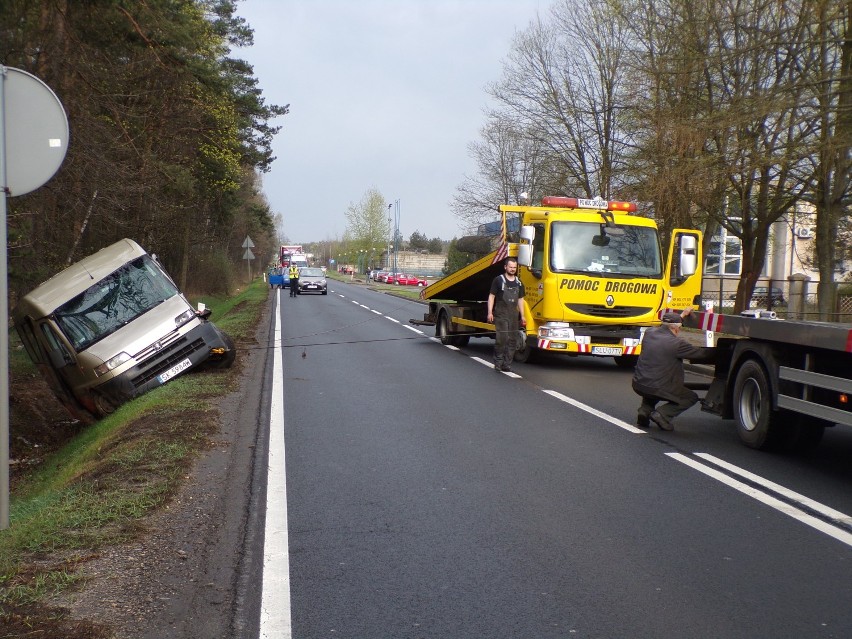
(594, 411)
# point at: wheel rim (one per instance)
(750, 402)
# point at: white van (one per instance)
(113, 326)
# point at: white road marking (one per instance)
(391, 319)
(772, 502)
(807, 502)
(594, 411)
(412, 329)
(275, 614)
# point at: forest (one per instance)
(169, 134)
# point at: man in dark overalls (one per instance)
(506, 312)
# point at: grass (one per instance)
(96, 489)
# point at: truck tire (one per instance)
(526, 353)
(446, 337)
(757, 424)
(626, 361)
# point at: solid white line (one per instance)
(772, 502)
(275, 614)
(593, 411)
(475, 359)
(836, 515)
(411, 328)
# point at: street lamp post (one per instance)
(396, 236)
(387, 261)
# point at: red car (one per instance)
(408, 280)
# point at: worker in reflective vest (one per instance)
(294, 280)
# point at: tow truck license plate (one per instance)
(605, 350)
(174, 370)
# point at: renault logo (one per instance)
(610, 300)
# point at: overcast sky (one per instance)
(383, 94)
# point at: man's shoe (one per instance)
(643, 422)
(506, 368)
(498, 367)
(661, 421)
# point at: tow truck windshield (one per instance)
(116, 300)
(625, 251)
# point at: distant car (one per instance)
(421, 281)
(407, 280)
(312, 280)
(377, 275)
(760, 297)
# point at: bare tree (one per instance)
(831, 91)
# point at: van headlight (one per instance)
(184, 317)
(113, 362)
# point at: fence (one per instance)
(795, 298)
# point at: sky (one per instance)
(383, 94)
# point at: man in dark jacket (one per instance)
(658, 376)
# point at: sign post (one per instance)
(248, 256)
(33, 143)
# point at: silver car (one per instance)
(312, 280)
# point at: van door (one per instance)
(46, 352)
(685, 269)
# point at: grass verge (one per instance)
(95, 490)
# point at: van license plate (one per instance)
(605, 350)
(174, 370)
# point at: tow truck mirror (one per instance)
(525, 247)
(688, 255)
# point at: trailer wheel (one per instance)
(806, 433)
(753, 407)
(446, 337)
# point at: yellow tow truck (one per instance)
(594, 274)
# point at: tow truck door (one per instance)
(684, 269)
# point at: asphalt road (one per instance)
(428, 496)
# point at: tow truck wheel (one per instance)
(525, 353)
(446, 337)
(753, 407)
(626, 361)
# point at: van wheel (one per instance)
(230, 355)
(103, 405)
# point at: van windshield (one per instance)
(116, 300)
